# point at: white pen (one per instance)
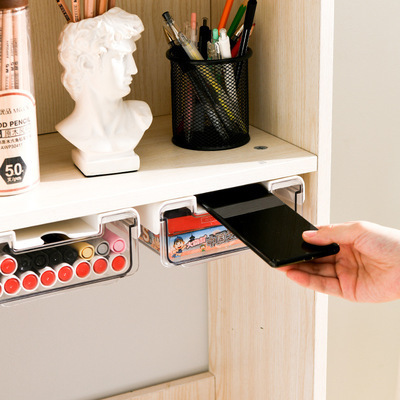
(224, 44)
(214, 52)
(193, 29)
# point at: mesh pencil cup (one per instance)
(210, 107)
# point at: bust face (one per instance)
(111, 78)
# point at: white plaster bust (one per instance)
(96, 54)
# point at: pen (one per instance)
(214, 52)
(237, 18)
(99, 264)
(50, 257)
(224, 44)
(69, 254)
(64, 272)
(187, 45)
(236, 35)
(193, 29)
(117, 261)
(247, 25)
(11, 284)
(179, 52)
(211, 53)
(81, 268)
(215, 35)
(29, 280)
(236, 47)
(117, 244)
(101, 246)
(204, 37)
(24, 262)
(229, 75)
(84, 249)
(8, 264)
(177, 49)
(225, 14)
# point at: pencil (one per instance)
(6, 43)
(90, 7)
(1, 47)
(76, 10)
(24, 63)
(225, 14)
(102, 7)
(65, 10)
(16, 35)
(237, 18)
(13, 44)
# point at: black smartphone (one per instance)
(264, 223)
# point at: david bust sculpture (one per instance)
(96, 54)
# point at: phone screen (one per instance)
(264, 223)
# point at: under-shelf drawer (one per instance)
(54, 257)
(183, 233)
(188, 235)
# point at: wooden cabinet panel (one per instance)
(261, 332)
(197, 387)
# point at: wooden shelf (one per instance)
(166, 172)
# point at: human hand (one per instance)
(366, 269)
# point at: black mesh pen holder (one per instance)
(210, 107)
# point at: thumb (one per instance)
(339, 233)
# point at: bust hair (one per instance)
(83, 43)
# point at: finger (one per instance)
(321, 269)
(323, 260)
(327, 285)
(339, 233)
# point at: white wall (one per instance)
(108, 338)
(364, 340)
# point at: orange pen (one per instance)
(225, 14)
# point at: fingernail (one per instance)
(309, 234)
